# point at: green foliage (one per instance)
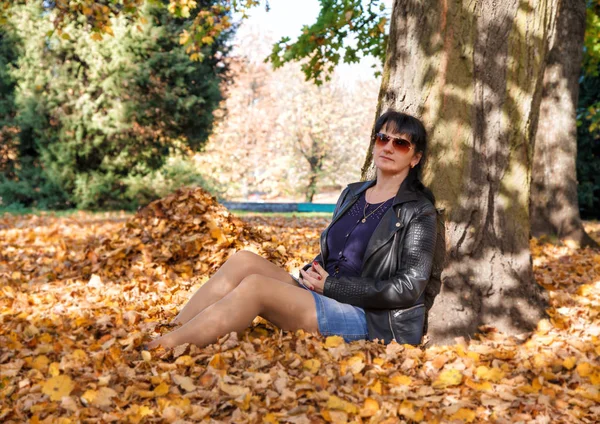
(178, 171)
(94, 116)
(591, 59)
(588, 118)
(588, 148)
(209, 20)
(345, 30)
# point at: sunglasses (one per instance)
(400, 144)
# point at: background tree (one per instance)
(326, 43)
(283, 136)
(554, 202)
(588, 114)
(97, 116)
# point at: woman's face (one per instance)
(389, 158)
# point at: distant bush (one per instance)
(84, 123)
(178, 171)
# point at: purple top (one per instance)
(347, 239)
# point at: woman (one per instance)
(368, 281)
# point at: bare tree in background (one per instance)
(283, 136)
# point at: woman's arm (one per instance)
(405, 287)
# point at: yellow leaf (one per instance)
(217, 362)
(533, 388)
(584, 369)
(97, 36)
(483, 386)
(136, 413)
(45, 338)
(378, 361)
(54, 369)
(585, 290)
(354, 364)
(162, 389)
(58, 387)
(370, 408)
(401, 380)
(376, 387)
(569, 362)
(184, 37)
(589, 392)
(333, 341)
(243, 401)
(146, 356)
(450, 377)
(334, 417)
(40, 363)
(491, 374)
(335, 402)
(473, 355)
(311, 365)
(185, 360)
(408, 410)
(100, 398)
(463, 414)
(270, 418)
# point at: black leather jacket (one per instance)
(396, 266)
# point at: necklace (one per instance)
(365, 216)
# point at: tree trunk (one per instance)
(472, 70)
(554, 204)
(311, 189)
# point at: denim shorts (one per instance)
(339, 319)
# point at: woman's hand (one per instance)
(314, 278)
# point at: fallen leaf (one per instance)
(57, 387)
(186, 383)
(449, 377)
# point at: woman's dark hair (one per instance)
(403, 123)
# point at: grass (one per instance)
(240, 213)
(57, 213)
(282, 214)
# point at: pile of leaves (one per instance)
(185, 235)
(70, 347)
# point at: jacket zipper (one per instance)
(391, 328)
(390, 311)
(408, 309)
(390, 318)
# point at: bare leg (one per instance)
(288, 307)
(240, 265)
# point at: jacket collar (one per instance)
(406, 192)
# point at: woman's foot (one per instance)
(164, 341)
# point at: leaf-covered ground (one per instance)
(81, 294)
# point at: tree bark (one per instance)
(554, 204)
(472, 70)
